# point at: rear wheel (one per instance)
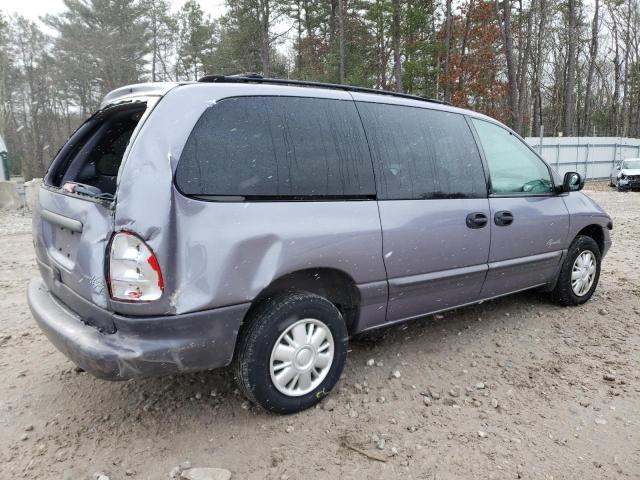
(580, 272)
(291, 352)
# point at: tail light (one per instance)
(134, 274)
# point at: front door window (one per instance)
(513, 167)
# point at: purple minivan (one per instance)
(261, 223)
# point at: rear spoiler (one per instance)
(157, 89)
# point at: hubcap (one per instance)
(301, 357)
(583, 273)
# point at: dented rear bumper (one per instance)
(140, 346)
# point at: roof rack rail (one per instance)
(257, 78)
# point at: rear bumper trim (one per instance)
(140, 347)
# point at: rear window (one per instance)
(90, 160)
(277, 147)
(421, 153)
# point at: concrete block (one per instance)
(31, 189)
(9, 197)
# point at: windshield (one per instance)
(631, 164)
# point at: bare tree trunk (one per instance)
(447, 52)
(299, 22)
(615, 100)
(537, 73)
(332, 27)
(265, 50)
(523, 68)
(463, 50)
(154, 40)
(593, 51)
(341, 34)
(507, 40)
(570, 79)
(397, 61)
(381, 74)
(625, 85)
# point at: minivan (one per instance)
(261, 223)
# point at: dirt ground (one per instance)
(518, 390)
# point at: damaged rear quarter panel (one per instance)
(229, 252)
(214, 254)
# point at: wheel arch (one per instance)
(596, 232)
(335, 285)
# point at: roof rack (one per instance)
(257, 78)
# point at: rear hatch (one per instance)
(73, 221)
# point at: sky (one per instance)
(33, 9)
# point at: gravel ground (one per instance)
(512, 388)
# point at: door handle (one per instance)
(503, 218)
(476, 220)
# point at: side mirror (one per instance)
(572, 182)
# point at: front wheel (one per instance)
(580, 272)
(291, 352)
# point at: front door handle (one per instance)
(503, 218)
(476, 220)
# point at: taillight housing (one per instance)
(134, 273)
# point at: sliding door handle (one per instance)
(476, 220)
(503, 218)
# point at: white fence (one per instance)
(592, 157)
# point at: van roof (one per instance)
(257, 78)
(159, 89)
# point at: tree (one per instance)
(106, 38)
(32, 105)
(342, 37)
(522, 62)
(421, 49)
(195, 40)
(593, 52)
(247, 42)
(505, 23)
(538, 60)
(162, 30)
(476, 68)
(570, 76)
(447, 52)
(397, 53)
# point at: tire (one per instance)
(265, 328)
(619, 188)
(564, 292)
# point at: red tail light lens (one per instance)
(134, 272)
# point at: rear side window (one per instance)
(421, 153)
(280, 147)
